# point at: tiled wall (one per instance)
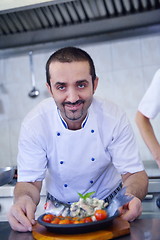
(125, 68)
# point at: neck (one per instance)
(74, 126)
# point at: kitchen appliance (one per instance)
(6, 199)
(151, 203)
(53, 22)
(6, 175)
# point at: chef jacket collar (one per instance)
(65, 124)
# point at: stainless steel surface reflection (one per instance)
(6, 175)
(20, 236)
(6, 233)
(151, 203)
(140, 229)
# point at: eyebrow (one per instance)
(59, 83)
(82, 81)
(77, 82)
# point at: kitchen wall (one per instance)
(125, 68)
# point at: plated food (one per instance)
(86, 208)
(88, 214)
(72, 228)
(99, 214)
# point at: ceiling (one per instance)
(61, 20)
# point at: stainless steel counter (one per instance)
(152, 169)
(140, 229)
(6, 200)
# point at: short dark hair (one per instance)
(70, 54)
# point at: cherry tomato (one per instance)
(73, 219)
(100, 214)
(78, 221)
(64, 221)
(48, 218)
(87, 219)
(68, 217)
(56, 220)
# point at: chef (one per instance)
(148, 109)
(77, 143)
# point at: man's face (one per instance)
(72, 89)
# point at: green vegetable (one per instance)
(87, 195)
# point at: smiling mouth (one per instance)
(73, 106)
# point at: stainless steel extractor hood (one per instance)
(53, 21)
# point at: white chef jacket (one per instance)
(77, 161)
(150, 103)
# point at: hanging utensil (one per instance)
(34, 92)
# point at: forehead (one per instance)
(71, 68)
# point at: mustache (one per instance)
(75, 103)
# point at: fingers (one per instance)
(21, 216)
(30, 213)
(132, 210)
(19, 226)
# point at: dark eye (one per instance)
(82, 85)
(61, 88)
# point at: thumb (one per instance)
(30, 212)
(122, 210)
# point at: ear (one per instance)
(49, 89)
(95, 84)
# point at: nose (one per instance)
(72, 95)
